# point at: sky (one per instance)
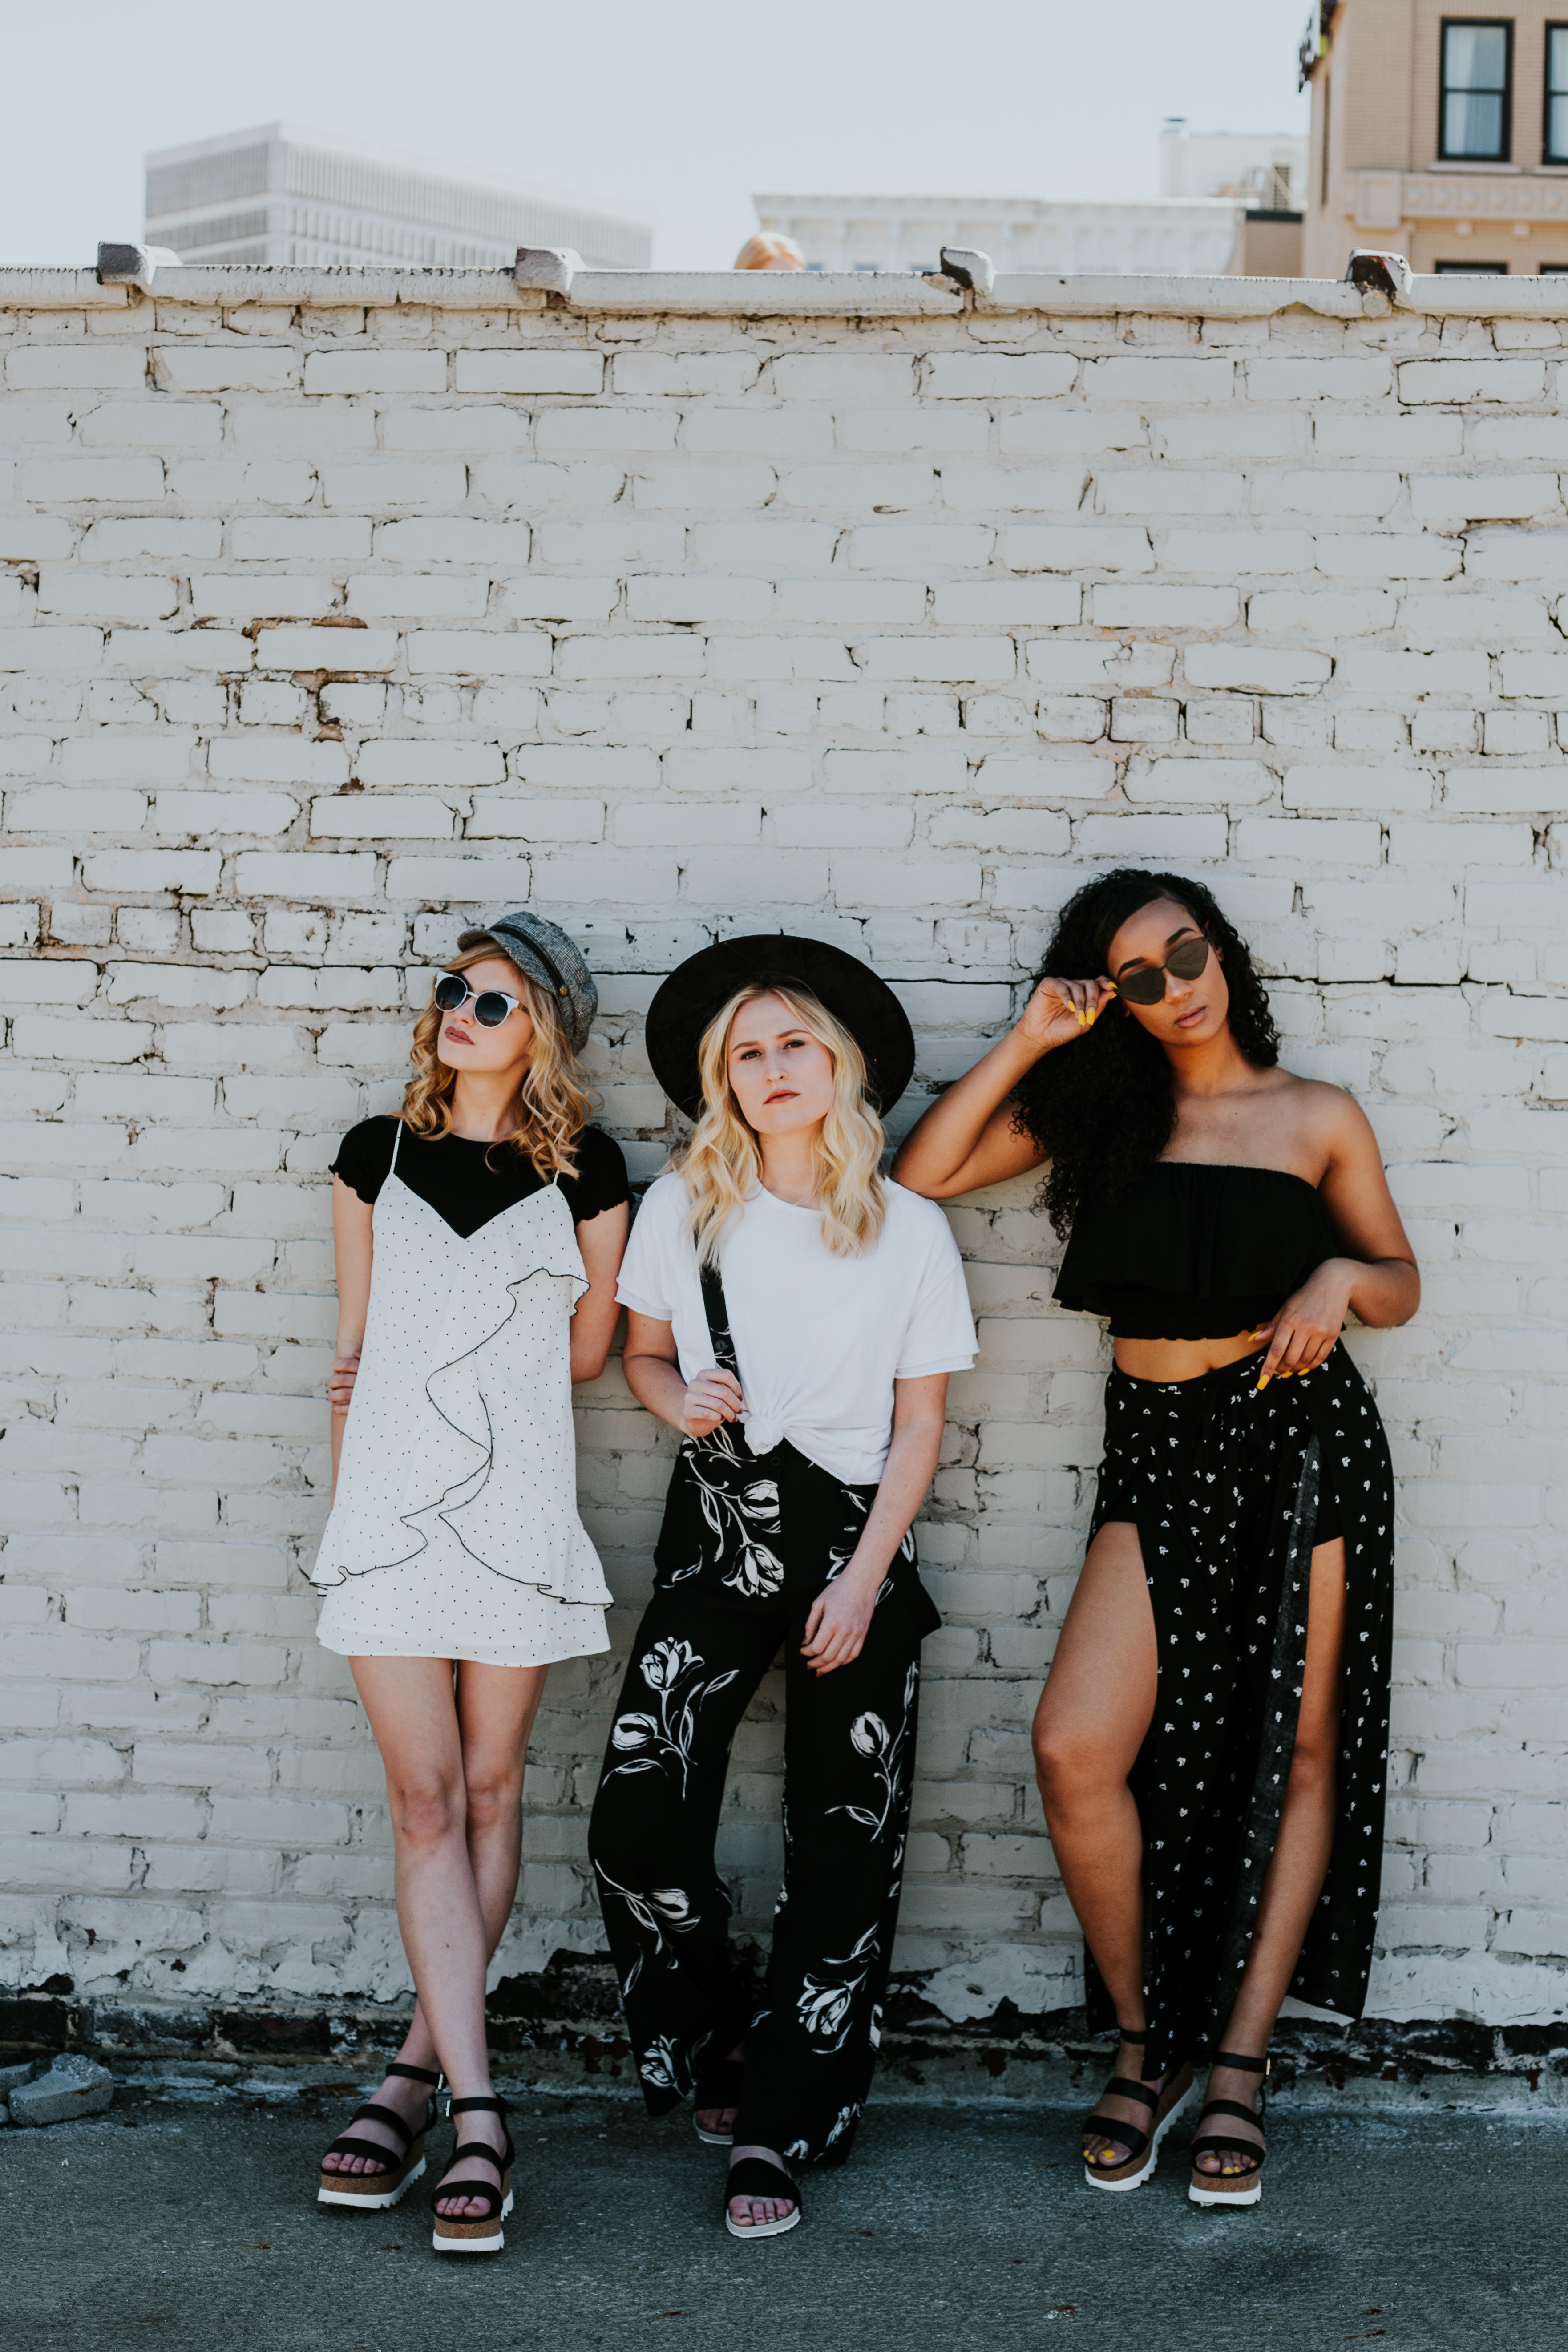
(680, 109)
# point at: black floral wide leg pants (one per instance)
(748, 1542)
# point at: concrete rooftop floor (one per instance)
(192, 2227)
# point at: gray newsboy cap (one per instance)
(547, 955)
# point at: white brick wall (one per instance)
(325, 626)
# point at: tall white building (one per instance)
(279, 193)
(1267, 169)
(1190, 235)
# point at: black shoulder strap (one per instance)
(717, 1309)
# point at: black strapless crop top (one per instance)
(1195, 1252)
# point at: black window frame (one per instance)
(1553, 24)
(1467, 24)
(1469, 268)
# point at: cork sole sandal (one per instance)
(718, 2087)
(755, 2176)
(481, 2233)
(394, 2175)
(1243, 2187)
(1142, 2147)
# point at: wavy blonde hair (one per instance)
(554, 1100)
(720, 1160)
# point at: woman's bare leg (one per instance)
(1093, 1715)
(454, 1762)
(1300, 1859)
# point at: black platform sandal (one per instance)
(1242, 2188)
(1142, 2147)
(394, 2174)
(466, 2235)
(719, 2086)
(755, 2176)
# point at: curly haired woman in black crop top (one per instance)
(1211, 1741)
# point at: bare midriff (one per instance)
(1181, 1359)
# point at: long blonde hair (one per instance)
(554, 1101)
(720, 1160)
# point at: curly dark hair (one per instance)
(1104, 1109)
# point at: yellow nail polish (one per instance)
(1263, 1383)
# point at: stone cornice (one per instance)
(722, 293)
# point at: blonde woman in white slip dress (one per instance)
(479, 1238)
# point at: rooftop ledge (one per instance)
(780, 294)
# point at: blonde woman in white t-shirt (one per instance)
(795, 1316)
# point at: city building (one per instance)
(1223, 196)
(1438, 135)
(1267, 169)
(1190, 234)
(279, 193)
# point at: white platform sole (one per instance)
(762, 2229)
(1251, 2195)
(1151, 2153)
(490, 2246)
(369, 2204)
(715, 2139)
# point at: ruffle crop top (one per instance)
(1193, 1251)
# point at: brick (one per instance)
(335, 649)
(1515, 381)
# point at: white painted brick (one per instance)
(1232, 782)
(383, 816)
(322, 879)
(53, 649)
(525, 372)
(1514, 381)
(1143, 605)
(1310, 378)
(998, 375)
(1254, 669)
(76, 367)
(812, 771)
(1499, 790)
(234, 364)
(1443, 497)
(1073, 547)
(379, 370)
(1349, 786)
(1462, 619)
(289, 647)
(1166, 379)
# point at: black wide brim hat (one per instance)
(701, 987)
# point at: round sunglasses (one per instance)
(1147, 985)
(491, 1005)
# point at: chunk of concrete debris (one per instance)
(73, 2086)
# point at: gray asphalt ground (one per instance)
(193, 2229)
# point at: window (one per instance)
(1323, 159)
(1554, 147)
(1477, 60)
(1470, 268)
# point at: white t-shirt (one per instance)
(820, 1339)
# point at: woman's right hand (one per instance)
(1062, 1009)
(341, 1381)
(711, 1398)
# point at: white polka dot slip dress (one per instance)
(455, 1531)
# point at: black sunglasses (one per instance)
(1147, 985)
(491, 1005)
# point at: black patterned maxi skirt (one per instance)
(1229, 1489)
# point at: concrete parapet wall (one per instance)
(338, 607)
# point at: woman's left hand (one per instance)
(839, 1620)
(341, 1381)
(1303, 1333)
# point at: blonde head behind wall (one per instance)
(769, 251)
(721, 1162)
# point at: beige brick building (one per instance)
(1440, 134)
